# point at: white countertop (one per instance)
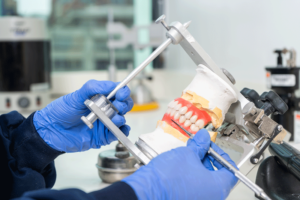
(78, 170)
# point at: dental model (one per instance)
(205, 100)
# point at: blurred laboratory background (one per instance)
(106, 39)
(239, 35)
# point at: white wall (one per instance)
(239, 35)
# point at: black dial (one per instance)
(23, 102)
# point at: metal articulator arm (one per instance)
(240, 141)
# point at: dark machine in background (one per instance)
(24, 64)
(284, 80)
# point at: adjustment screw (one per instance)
(228, 75)
(161, 20)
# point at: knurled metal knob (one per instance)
(228, 75)
(103, 104)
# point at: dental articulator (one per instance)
(246, 128)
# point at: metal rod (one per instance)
(187, 132)
(137, 70)
(255, 188)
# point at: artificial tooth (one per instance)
(175, 103)
(171, 104)
(183, 110)
(173, 112)
(177, 115)
(178, 106)
(182, 119)
(169, 110)
(194, 119)
(187, 123)
(200, 123)
(194, 128)
(188, 114)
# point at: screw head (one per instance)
(87, 122)
(279, 128)
(255, 160)
(248, 108)
(160, 19)
(137, 165)
(228, 75)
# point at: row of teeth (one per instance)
(177, 111)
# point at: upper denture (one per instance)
(186, 114)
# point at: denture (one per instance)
(187, 115)
(204, 101)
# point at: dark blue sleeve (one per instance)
(27, 167)
(116, 191)
(26, 160)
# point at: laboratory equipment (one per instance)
(284, 80)
(245, 125)
(287, 156)
(114, 165)
(24, 64)
(279, 175)
(256, 189)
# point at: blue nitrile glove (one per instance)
(60, 126)
(184, 173)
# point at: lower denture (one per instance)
(201, 115)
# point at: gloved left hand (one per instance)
(184, 173)
(60, 126)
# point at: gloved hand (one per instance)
(184, 173)
(60, 126)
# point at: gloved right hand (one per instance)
(184, 173)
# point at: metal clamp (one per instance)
(261, 127)
(255, 158)
(104, 104)
(141, 157)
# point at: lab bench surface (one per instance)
(78, 170)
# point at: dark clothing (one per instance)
(27, 165)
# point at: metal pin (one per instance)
(187, 132)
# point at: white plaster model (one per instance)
(160, 141)
(212, 88)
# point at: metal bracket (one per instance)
(255, 158)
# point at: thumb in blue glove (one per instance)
(60, 126)
(184, 173)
